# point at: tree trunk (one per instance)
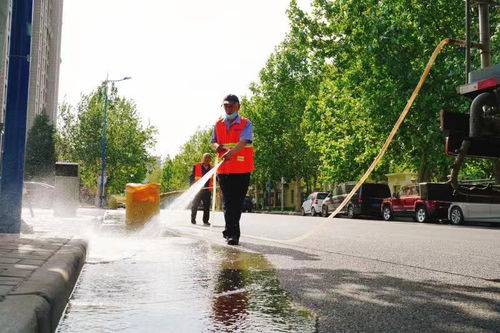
(256, 190)
(424, 171)
(298, 192)
(496, 164)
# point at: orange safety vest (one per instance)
(198, 174)
(243, 161)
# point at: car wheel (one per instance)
(313, 212)
(324, 211)
(302, 211)
(387, 213)
(456, 216)
(421, 215)
(350, 211)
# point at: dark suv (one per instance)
(366, 201)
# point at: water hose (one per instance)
(389, 139)
(401, 118)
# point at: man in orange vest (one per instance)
(204, 196)
(232, 140)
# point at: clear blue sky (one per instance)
(183, 56)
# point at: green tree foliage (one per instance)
(40, 150)
(176, 171)
(128, 140)
(340, 80)
(154, 174)
(276, 110)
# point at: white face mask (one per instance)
(231, 116)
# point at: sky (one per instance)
(183, 56)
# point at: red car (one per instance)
(408, 202)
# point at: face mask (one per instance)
(231, 116)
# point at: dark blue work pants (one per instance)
(234, 187)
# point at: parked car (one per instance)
(424, 202)
(312, 205)
(366, 200)
(461, 212)
(248, 204)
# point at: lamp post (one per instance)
(103, 142)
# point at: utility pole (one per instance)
(11, 191)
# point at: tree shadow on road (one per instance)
(282, 251)
(351, 301)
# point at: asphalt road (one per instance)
(376, 276)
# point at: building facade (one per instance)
(5, 14)
(45, 57)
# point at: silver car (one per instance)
(312, 205)
(460, 212)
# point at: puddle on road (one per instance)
(176, 284)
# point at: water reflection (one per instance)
(137, 282)
(248, 297)
(231, 299)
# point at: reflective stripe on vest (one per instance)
(198, 174)
(243, 161)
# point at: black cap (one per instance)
(231, 99)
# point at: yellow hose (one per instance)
(402, 117)
(389, 139)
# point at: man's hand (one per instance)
(228, 155)
(220, 149)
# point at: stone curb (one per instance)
(37, 304)
(276, 212)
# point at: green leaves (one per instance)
(331, 92)
(127, 140)
(40, 150)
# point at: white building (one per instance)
(45, 57)
(5, 12)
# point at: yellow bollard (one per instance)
(142, 203)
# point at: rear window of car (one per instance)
(376, 190)
(321, 196)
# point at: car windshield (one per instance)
(321, 195)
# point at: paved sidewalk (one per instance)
(37, 277)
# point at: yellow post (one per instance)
(142, 203)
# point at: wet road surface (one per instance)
(139, 282)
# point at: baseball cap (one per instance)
(231, 99)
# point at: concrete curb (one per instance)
(36, 305)
(276, 212)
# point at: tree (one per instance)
(128, 140)
(373, 53)
(40, 150)
(276, 110)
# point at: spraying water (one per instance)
(187, 197)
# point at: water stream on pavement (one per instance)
(185, 199)
(144, 283)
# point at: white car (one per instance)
(460, 212)
(312, 205)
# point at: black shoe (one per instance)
(193, 222)
(206, 223)
(232, 241)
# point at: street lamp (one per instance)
(103, 145)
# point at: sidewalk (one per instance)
(37, 277)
